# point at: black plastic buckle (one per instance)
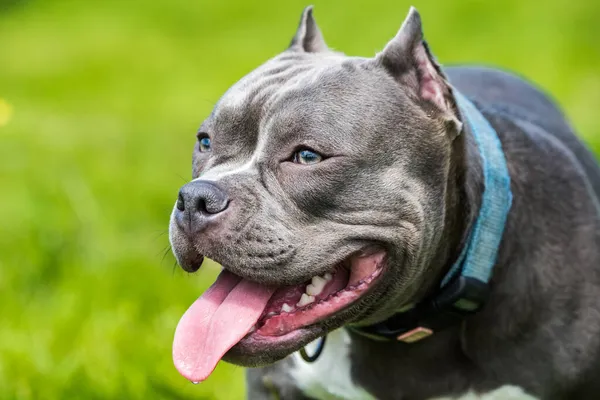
(464, 296)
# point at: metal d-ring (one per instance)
(318, 351)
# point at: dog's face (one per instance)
(319, 184)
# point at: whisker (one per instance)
(182, 178)
(166, 251)
(160, 234)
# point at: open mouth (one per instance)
(235, 309)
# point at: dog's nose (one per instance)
(198, 201)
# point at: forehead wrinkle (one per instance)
(251, 92)
(246, 88)
(266, 78)
(270, 85)
(306, 78)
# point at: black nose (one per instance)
(198, 201)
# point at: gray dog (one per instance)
(438, 227)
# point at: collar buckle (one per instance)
(415, 335)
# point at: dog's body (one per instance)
(413, 181)
(540, 331)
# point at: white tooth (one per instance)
(328, 276)
(304, 300)
(286, 308)
(314, 290)
(318, 281)
(316, 287)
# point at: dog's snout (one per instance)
(202, 197)
(198, 203)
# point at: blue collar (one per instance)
(464, 288)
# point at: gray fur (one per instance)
(399, 175)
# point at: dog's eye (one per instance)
(306, 156)
(204, 144)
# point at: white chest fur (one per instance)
(329, 378)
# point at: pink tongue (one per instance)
(219, 319)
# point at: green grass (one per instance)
(106, 97)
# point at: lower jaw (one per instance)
(257, 351)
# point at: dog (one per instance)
(391, 229)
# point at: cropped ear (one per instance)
(408, 59)
(308, 37)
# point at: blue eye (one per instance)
(204, 144)
(307, 157)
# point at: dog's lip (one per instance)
(255, 340)
(254, 347)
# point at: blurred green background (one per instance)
(99, 104)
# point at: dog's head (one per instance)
(320, 185)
